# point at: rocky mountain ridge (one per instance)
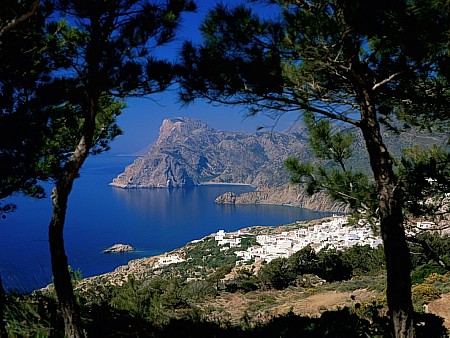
(189, 152)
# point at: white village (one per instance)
(335, 233)
(332, 234)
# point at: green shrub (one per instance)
(244, 281)
(423, 294)
(332, 267)
(278, 274)
(364, 260)
(31, 316)
(422, 272)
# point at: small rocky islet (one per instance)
(119, 248)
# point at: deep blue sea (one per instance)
(154, 221)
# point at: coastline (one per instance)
(209, 183)
(144, 267)
(226, 183)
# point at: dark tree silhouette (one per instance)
(108, 53)
(363, 63)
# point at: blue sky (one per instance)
(142, 118)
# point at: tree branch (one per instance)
(428, 251)
(19, 20)
(390, 78)
(319, 111)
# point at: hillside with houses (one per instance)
(330, 234)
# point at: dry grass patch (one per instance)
(261, 306)
(441, 308)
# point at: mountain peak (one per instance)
(189, 152)
(183, 125)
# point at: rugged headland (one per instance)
(189, 152)
(287, 194)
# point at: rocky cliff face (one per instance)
(188, 152)
(285, 195)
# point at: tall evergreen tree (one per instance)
(107, 50)
(364, 63)
(62, 86)
(14, 13)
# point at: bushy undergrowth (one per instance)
(178, 297)
(31, 316)
(328, 265)
(109, 321)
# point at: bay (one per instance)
(153, 221)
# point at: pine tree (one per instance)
(107, 50)
(362, 63)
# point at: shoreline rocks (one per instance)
(119, 248)
(289, 195)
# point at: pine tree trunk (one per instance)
(3, 333)
(61, 275)
(398, 260)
